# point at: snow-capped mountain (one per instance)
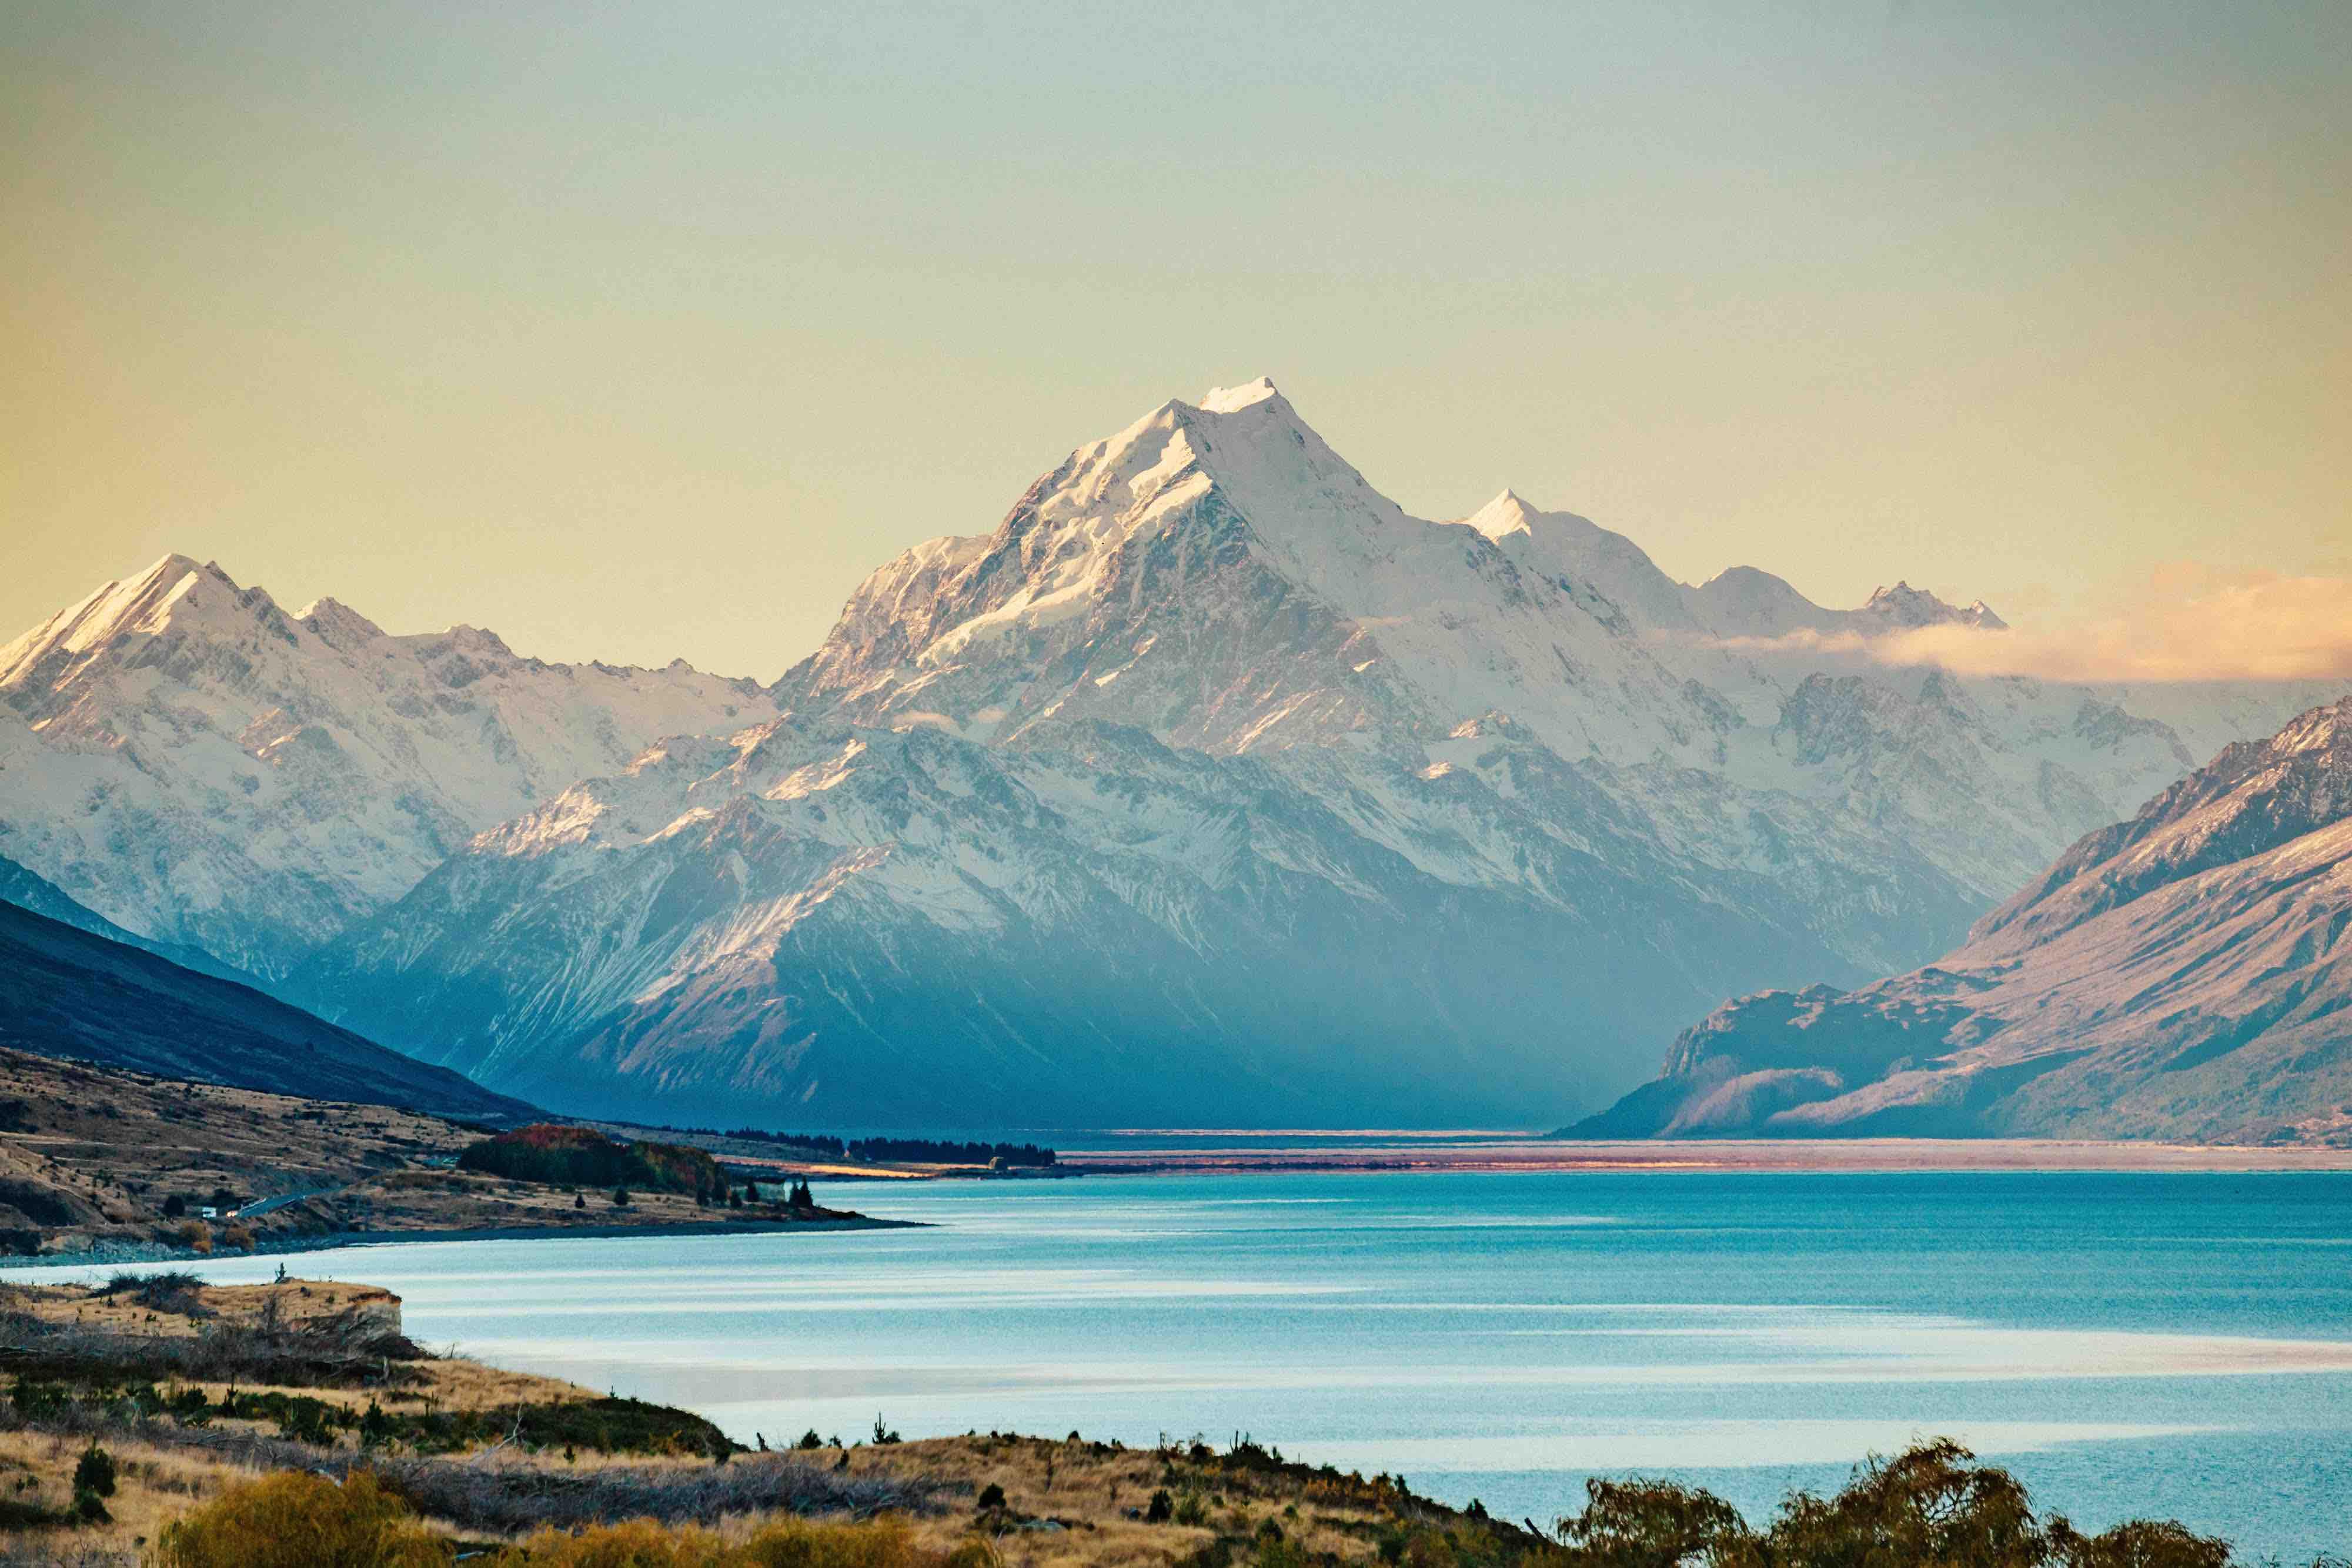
(190, 761)
(1210, 784)
(2183, 973)
(1217, 575)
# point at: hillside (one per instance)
(77, 995)
(117, 1163)
(2183, 973)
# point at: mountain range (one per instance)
(1208, 786)
(2184, 974)
(186, 758)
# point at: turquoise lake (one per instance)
(2173, 1346)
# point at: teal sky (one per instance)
(643, 332)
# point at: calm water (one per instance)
(2156, 1344)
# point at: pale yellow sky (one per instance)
(635, 336)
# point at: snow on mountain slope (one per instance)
(188, 760)
(868, 926)
(43, 897)
(2183, 973)
(1218, 576)
(1212, 784)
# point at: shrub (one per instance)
(1929, 1505)
(991, 1495)
(172, 1290)
(2142, 1544)
(1161, 1508)
(1932, 1504)
(1641, 1522)
(197, 1238)
(95, 1472)
(293, 1519)
(239, 1237)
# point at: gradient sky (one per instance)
(645, 332)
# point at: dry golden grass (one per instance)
(1089, 1491)
(152, 1485)
(118, 1143)
(294, 1303)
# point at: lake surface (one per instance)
(2129, 1343)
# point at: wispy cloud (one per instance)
(2188, 622)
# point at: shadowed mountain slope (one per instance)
(72, 994)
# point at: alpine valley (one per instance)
(1210, 787)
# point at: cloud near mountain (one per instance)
(2190, 623)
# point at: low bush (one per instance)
(346, 1348)
(293, 1519)
(170, 1290)
(94, 1472)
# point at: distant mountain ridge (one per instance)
(2182, 974)
(200, 767)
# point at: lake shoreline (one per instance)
(1404, 1153)
(291, 1245)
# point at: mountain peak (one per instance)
(1506, 513)
(338, 623)
(132, 604)
(1232, 400)
(1904, 605)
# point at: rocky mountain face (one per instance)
(203, 768)
(2182, 974)
(1211, 786)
